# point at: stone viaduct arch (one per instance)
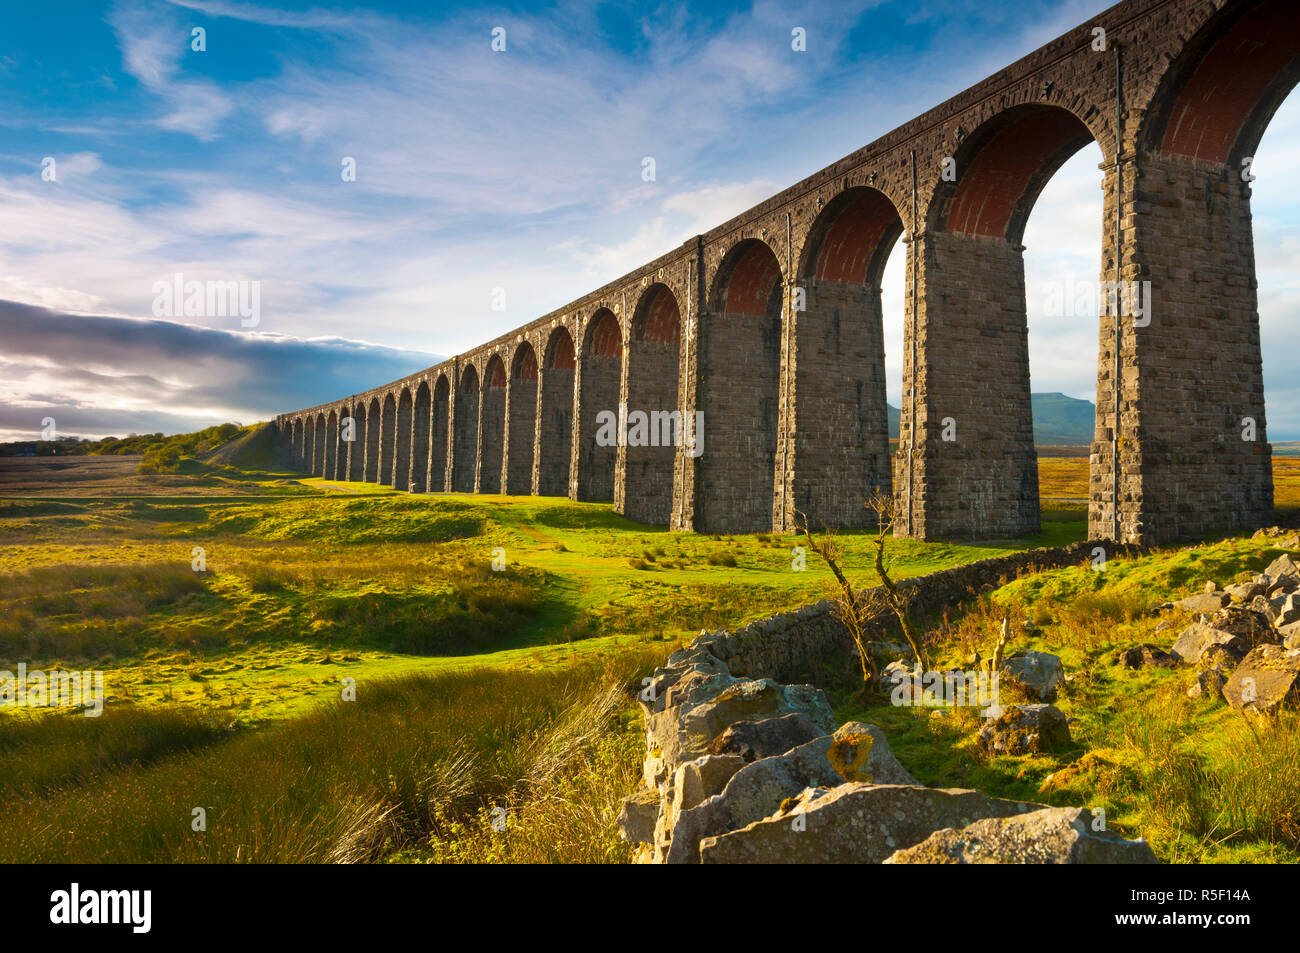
(740, 369)
(441, 429)
(421, 418)
(777, 319)
(973, 422)
(599, 373)
(654, 406)
(493, 417)
(521, 412)
(465, 448)
(554, 445)
(839, 448)
(374, 427)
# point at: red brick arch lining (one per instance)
(559, 350)
(1002, 167)
(748, 279)
(604, 337)
(526, 363)
(852, 236)
(658, 318)
(1253, 62)
(495, 375)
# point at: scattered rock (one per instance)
(1283, 566)
(1199, 636)
(854, 823)
(1245, 621)
(753, 699)
(1053, 835)
(1222, 657)
(1289, 611)
(1025, 728)
(1245, 591)
(1266, 678)
(1266, 608)
(1282, 585)
(1209, 684)
(1147, 655)
(665, 680)
(1038, 672)
(1205, 602)
(896, 673)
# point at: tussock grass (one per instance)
(353, 781)
(400, 520)
(41, 756)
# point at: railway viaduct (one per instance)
(770, 324)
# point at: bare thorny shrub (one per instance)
(854, 608)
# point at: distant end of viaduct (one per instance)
(770, 324)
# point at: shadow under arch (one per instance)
(654, 401)
(554, 448)
(493, 416)
(521, 411)
(465, 454)
(600, 379)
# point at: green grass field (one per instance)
(479, 689)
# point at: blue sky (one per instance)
(475, 170)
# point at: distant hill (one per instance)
(1058, 420)
(253, 448)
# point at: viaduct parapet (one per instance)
(770, 324)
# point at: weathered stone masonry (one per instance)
(772, 320)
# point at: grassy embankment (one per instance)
(476, 689)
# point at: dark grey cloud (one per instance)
(112, 375)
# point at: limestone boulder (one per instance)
(1041, 673)
(1022, 729)
(1208, 683)
(1147, 656)
(659, 693)
(1204, 602)
(1266, 608)
(1244, 621)
(1289, 611)
(861, 752)
(694, 782)
(854, 823)
(1054, 835)
(1284, 565)
(1199, 636)
(667, 745)
(636, 819)
(1266, 679)
(754, 792)
(754, 740)
(895, 674)
(752, 700)
(1245, 591)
